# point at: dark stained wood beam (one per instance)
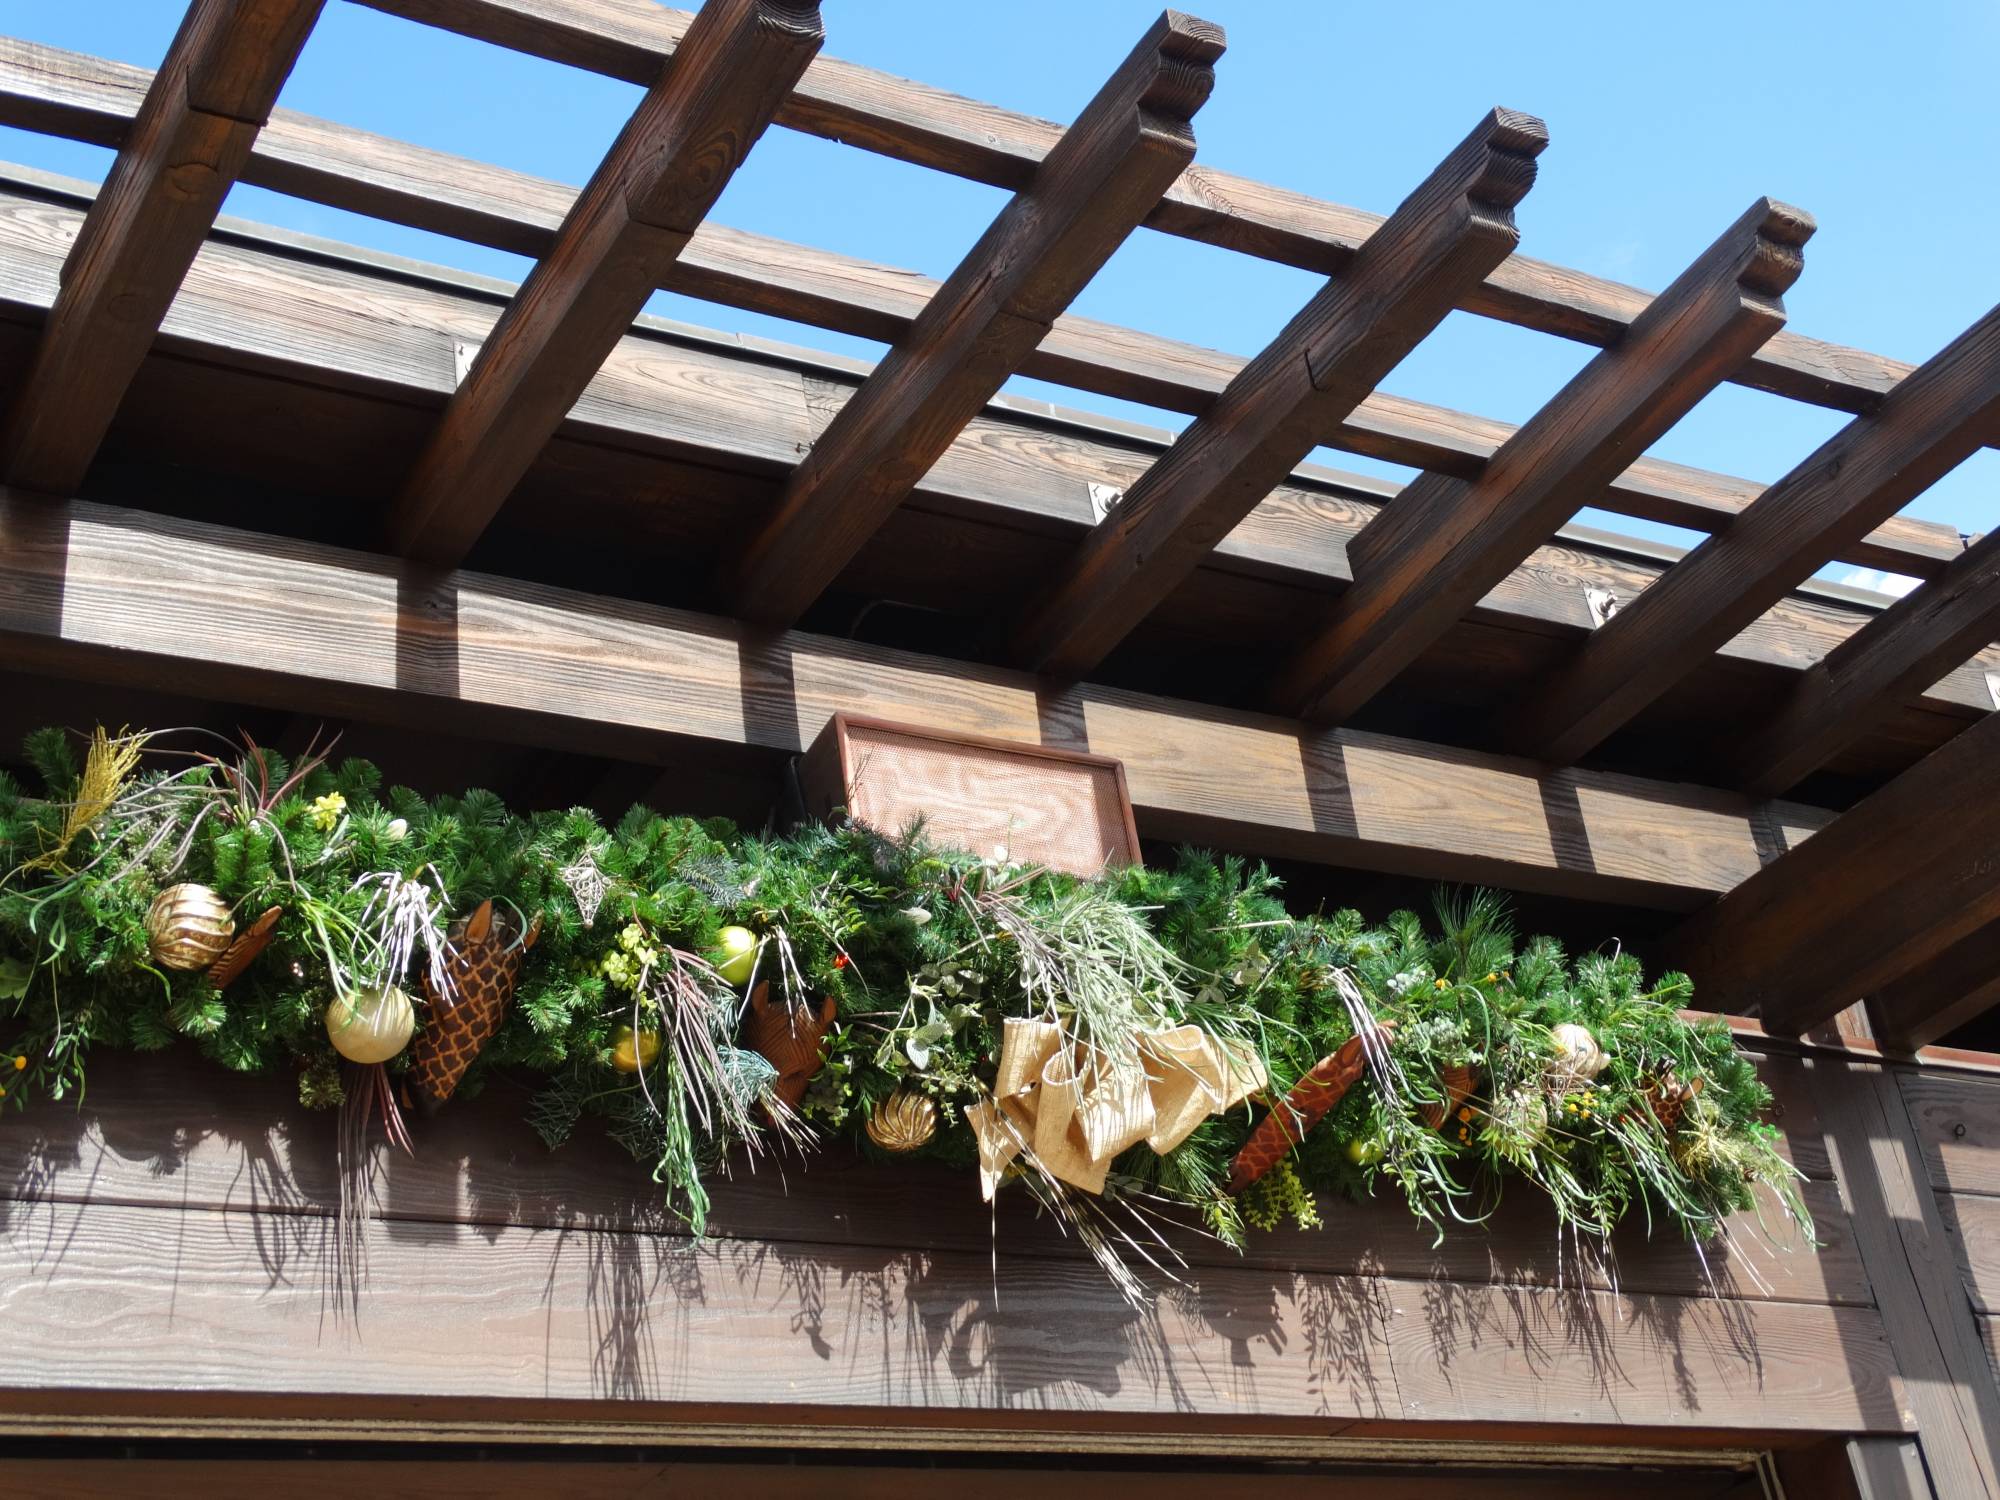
(1883, 890)
(1456, 226)
(97, 594)
(935, 128)
(1884, 664)
(1088, 195)
(88, 98)
(737, 61)
(1940, 415)
(1445, 542)
(190, 139)
(1936, 998)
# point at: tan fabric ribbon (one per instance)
(1076, 1126)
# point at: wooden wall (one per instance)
(175, 1229)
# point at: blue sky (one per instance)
(1665, 122)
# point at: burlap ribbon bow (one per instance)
(1076, 1119)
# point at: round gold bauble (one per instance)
(903, 1121)
(371, 1026)
(1581, 1056)
(189, 927)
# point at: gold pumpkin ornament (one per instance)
(371, 1026)
(902, 1122)
(189, 926)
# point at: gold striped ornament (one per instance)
(903, 1121)
(189, 926)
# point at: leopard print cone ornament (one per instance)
(481, 969)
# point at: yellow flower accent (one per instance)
(326, 811)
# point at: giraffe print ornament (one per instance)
(480, 972)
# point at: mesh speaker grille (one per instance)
(1063, 814)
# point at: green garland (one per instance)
(924, 952)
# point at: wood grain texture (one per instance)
(913, 122)
(1129, 143)
(272, 314)
(92, 99)
(1454, 228)
(172, 1131)
(237, 1303)
(1913, 1268)
(1445, 542)
(116, 595)
(189, 140)
(1863, 679)
(1957, 1123)
(1885, 888)
(669, 164)
(1942, 994)
(1934, 420)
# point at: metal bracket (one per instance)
(1103, 499)
(1603, 604)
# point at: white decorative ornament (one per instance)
(371, 1026)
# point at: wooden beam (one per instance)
(934, 128)
(738, 59)
(1445, 542)
(1958, 985)
(188, 142)
(1089, 193)
(1884, 664)
(1936, 419)
(1456, 226)
(88, 98)
(1885, 888)
(119, 596)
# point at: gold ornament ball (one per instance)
(189, 927)
(371, 1026)
(630, 1052)
(1579, 1050)
(902, 1122)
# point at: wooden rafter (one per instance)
(189, 139)
(737, 61)
(1960, 984)
(87, 98)
(1883, 890)
(1456, 226)
(1936, 419)
(1885, 663)
(99, 594)
(1090, 192)
(1433, 554)
(931, 127)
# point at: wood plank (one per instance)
(1445, 542)
(239, 1304)
(1906, 1250)
(268, 312)
(92, 99)
(1454, 228)
(1885, 888)
(1934, 420)
(913, 122)
(1129, 143)
(670, 163)
(116, 595)
(245, 1146)
(1958, 985)
(1863, 679)
(1957, 1122)
(189, 139)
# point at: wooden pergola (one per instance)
(533, 515)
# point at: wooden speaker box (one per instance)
(1059, 808)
